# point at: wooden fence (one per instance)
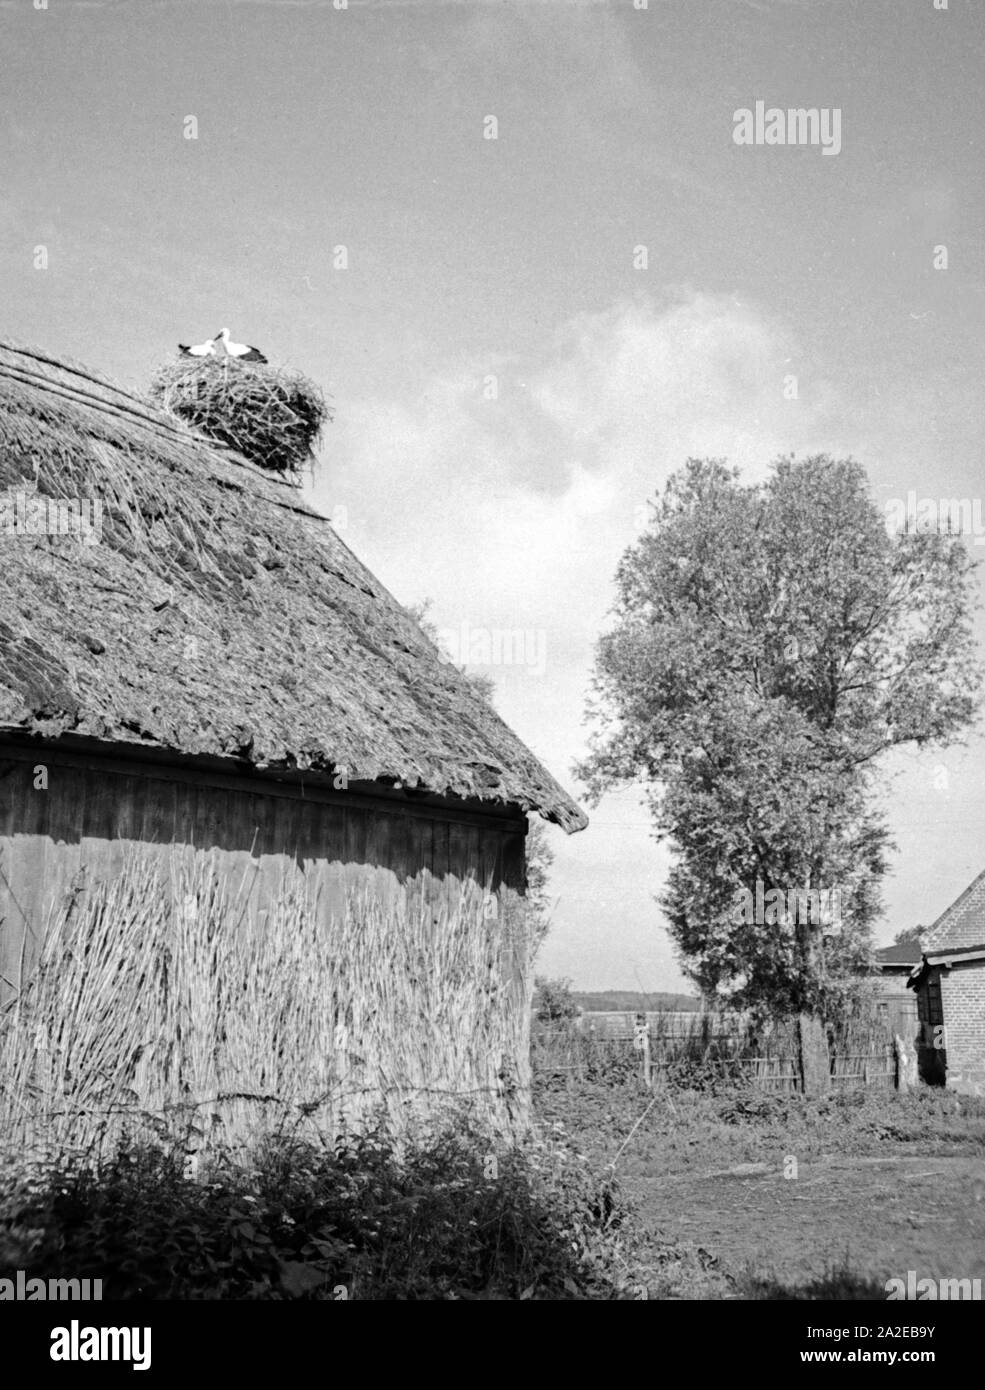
(779, 1057)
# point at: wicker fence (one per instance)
(668, 1046)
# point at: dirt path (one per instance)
(878, 1217)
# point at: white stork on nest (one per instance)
(206, 349)
(241, 351)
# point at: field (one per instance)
(736, 1193)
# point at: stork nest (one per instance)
(273, 418)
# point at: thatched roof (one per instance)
(219, 615)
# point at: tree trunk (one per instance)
(815, 1068)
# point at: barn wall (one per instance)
(92, 816)
(430, 1008)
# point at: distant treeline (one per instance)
(617, 1000)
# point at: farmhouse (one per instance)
(261, 846)
(950, 987)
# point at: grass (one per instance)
(727, 1124)
(714, 1151)
(838, 1284)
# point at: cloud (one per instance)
(636, 391)
(514, 511)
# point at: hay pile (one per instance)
(274, 418)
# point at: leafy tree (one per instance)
(539, 854)
(908, 935)
(770, 643)
(540, 857)
(554, 1001)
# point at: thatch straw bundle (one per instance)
(162, 1007)
(273, 418)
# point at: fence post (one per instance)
(906, 1065)
(641, 1041)
(815, 1066)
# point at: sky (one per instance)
(519, 247)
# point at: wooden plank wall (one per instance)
(90, 817)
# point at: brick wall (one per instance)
(963, 1001)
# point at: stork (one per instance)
(241, 351)
(206, 349)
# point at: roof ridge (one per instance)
(939, 927)
(161, 422)
(68, 364)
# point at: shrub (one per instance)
(553, 1001)
(448, 1218)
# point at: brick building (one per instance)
(950, 988)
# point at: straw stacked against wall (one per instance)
(162, 1007)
